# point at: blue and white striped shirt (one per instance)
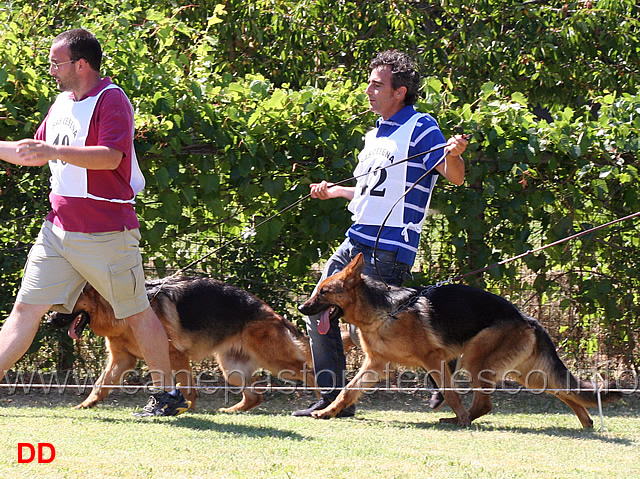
(426, 135)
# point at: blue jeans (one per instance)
(329, 361)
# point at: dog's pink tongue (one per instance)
(324, 324)
(72, 330)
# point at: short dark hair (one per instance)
(82, 44)
(404, 72)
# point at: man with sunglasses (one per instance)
(92, 232)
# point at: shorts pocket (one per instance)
(127, 277)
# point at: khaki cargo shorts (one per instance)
(60, 263)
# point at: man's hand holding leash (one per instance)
(325, 190)
(453, 166)
(452, 169)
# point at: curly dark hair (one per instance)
(404, 72)
(82, 44)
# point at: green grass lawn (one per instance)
(392, 436)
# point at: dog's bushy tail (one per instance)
(559, 378)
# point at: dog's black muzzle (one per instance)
(62, 320)
(309, 309)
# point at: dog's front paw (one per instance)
(326, 413)
(86, 405)
(464, 422)
(231, 409)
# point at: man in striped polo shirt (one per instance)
(400, 133)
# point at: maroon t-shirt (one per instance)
(111, 126)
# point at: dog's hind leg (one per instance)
(481, 404)
(119, 363)
(435, 363)
(538, 375)
(578, 409)
(293, 369)
(488, 358)
(276, 350)
(238, 370)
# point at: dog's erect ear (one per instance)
(353, 271)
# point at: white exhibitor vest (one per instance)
(376, 192)
(68, 124)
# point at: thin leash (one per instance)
(424, 291)
(417, 182)
(251, 231)
(535, 250)
(375, 246)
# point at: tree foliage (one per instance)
(240, 105)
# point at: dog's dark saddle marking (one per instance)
(208, 306)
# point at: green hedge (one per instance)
(239, 107)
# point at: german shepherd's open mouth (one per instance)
(328, 313)
(77, 322)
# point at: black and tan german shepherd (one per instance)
(428, 328)
(202, 317)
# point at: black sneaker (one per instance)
(436, 401)
(323, 403)
(163, 403)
